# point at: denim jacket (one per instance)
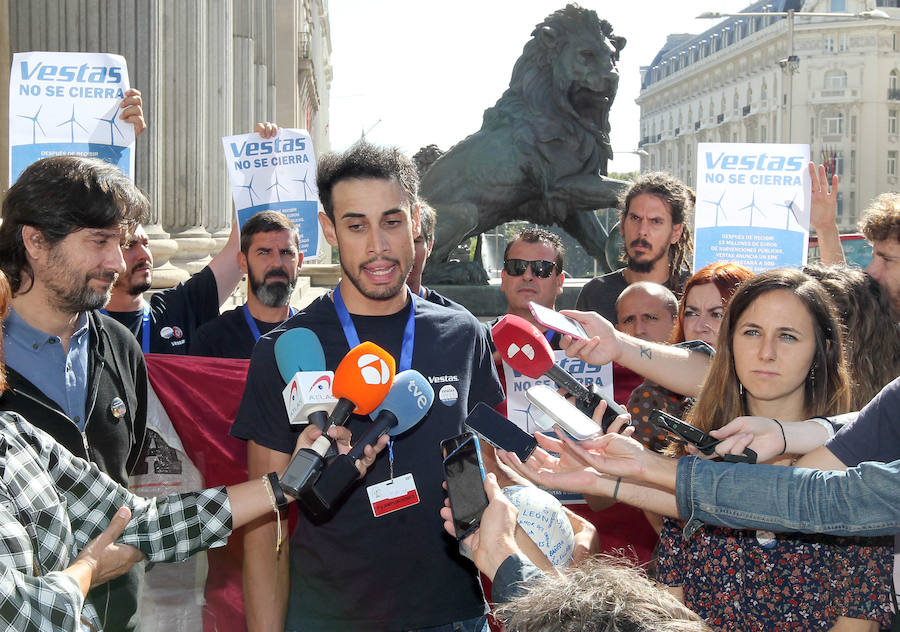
(859, 501)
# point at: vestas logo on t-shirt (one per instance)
(443, 379)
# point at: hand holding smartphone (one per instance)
(557, 322)
(500, 432)
(561, 412)
(464, 475)
(701, 440)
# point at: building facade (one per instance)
(206, 69)
(831, 82)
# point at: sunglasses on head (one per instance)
(539, 268)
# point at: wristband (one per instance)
(827, 424)
(616, 490)
(783, 437)
(281, 500)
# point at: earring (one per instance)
(741, 389)
(812, 375)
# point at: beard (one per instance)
(72, 293)
(135, 288)
(382, 292)
(643, 267)
(274, 294)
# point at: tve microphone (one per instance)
(523, 347)
(408, 401)
(301, 362)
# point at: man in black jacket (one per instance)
(74, 373)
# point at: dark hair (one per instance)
(58, 196)
(826, 388)
(361, 161)
(267, 222)
(679, 199)
(543, 236)
(871, 338)
(429, 221)
(5, 296)
(726, 276)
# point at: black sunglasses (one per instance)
(539, 268)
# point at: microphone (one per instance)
(361, 381)
(523, 347)
(301, 363)
(407, 403)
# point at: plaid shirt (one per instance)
(53, 503)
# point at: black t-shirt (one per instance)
(399, 571)
(600, 293)
(440, 299)
(875, 434)
(228, 336)
(176, 313)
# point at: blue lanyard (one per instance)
(251, 323)
(421, 291)
(145, 325)
(409, 332)
(549, 334)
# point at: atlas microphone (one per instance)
(523, 347)
(360, 383)
(408, 401)
(301, 363)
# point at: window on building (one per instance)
(893, 80)
(853, 125)
(838, 6)
(764, 92)
(844, 42)
(829, 43)
(887, 3)
(840, 206)
(892, 121)
(852, 161)
(763, 134)
(833, 124)
(835, 80)
(892, 163)
(839, 163)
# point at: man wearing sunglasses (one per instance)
(532, 271)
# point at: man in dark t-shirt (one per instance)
(422, 246)
(173, 314)
(396, 571)
(270, 257)
(656, 239)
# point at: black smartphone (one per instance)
(499, 431)
(703, 441)
(464, 474)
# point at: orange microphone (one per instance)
(361, 381)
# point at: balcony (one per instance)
(720, 118)
(696, 126)
(893, 94)
(745, 111)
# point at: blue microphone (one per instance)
(405, 405)
(298, 350)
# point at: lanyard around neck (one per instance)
(145, 325)
(409, 331)
(251, 322)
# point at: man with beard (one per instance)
(72, 372)
(270, 257)
(363, 569)
(657, 243)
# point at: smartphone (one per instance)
(557, 322)
(464, 474)
(703, 441)
(499, 431)
(562, 412)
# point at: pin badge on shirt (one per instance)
(117, 406)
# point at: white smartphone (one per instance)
(557, 322)
(561, 412)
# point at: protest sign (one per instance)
(752, 205)
(276, 174)
(68, 104)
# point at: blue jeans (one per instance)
(860, 501)
(478, 624)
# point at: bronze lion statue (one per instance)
(542, 148)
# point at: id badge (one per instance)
(393, 495)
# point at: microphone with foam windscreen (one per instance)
(407, 403)
(361, 381)
(523, 347)
(301, 363)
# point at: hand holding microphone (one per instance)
(523, 347)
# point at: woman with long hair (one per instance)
(700, 314)
(779, 355)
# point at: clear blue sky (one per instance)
(416, 72)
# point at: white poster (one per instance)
(68, 104)
(276, 174)
(524, 414)
(752, 205)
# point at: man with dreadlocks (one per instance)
(657, 242)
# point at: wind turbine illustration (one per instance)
(529, 415)
(277, 185)
(718, 205)
(306, 187)
(249, 188)
(789, 211)
(113, 126)
(34, 124)
(752, 206)
(72, 122)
